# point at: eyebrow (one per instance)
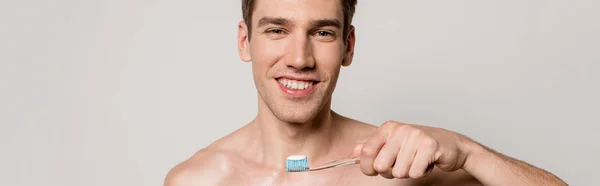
(312, 24)
(274, 20)
(325, 22)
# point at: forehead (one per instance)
(298, 10)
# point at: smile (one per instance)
(295, 84)
(296, 88)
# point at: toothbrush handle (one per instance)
(337, 163)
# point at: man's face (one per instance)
(297, 48)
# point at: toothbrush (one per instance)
(299, 163)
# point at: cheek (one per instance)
(328, 57)
(266, 53)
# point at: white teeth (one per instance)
(296, 85)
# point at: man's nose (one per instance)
(299, 53)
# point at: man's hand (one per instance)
(400, 150)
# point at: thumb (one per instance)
(357, 150)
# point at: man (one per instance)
(297, 48)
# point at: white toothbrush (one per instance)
(299, 163)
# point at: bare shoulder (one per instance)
(211, 165)
(356, 128)
(206, 167)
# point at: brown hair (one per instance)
(348, 6)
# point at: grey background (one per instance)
(117, 92)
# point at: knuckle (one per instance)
(389, 124)
(430, 143)
(415, 174)
(399, 173)
(367, 171)
(399, 129)
(379, 167)
(407, 128)
(414, 131)
(369, 151)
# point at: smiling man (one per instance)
(297, 48)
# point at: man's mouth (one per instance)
(297, 87)
(296, 84)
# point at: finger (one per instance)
(357, 149)
(424, 159)
(369, 152)
(387, 156)
(406, 155)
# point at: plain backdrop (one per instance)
(112, 92)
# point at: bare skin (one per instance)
(238, 159)
(297, 50)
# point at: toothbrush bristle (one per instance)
(296, 164)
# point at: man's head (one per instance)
(297, 48)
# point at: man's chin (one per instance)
(296, 117)
(298, 110)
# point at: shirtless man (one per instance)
(303, 44)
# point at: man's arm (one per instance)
(493, 168)
(399, 150)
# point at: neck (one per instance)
(276, 140)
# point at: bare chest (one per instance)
(349, 176)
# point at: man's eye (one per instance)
(324, 33)
(275, 31)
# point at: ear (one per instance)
(243, 42)
(349, 51)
